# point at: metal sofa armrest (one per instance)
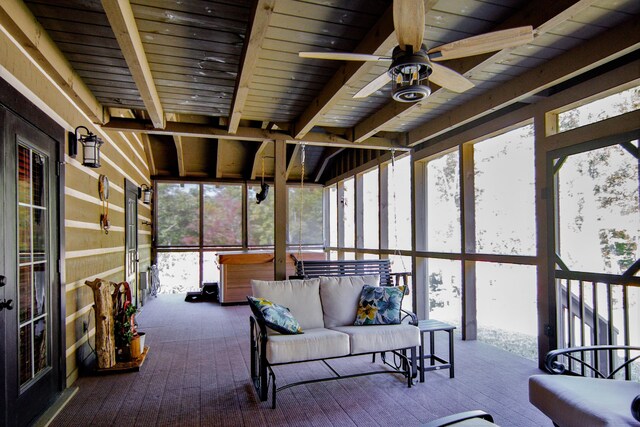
(554, 366)
(462, 416)
(413, 319)
(635, 408)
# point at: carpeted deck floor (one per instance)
(197, 374)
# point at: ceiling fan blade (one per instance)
(483, 43)
(343, 56)
(408, 21)
(376, 84)
(449, 79)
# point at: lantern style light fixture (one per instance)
(409, 74)
(90, 147)
(145, 192)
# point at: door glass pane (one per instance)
(24, 233)
(33, 268)
(504, 193)
(39, 234)
(24, 175)
(24, 357)
(40, 358)
(24, 293)
(443, 203)
(598, 210)
(259, 218)
(38, 189)
(40, 281)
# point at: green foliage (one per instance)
(618, 246)
(178, 214)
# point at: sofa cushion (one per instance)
(379, 305)
(340, 296)
(302, 297)
(313, 344)
(275, 316)
(579, 401)
(380, 337)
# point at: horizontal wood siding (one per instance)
(90, 253)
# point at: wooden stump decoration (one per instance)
(105, 340)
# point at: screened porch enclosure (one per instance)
(465, 221)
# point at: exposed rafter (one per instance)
(544, 16)
(250, 134)
(379, 41)
(20, 24)
(328, 154)
(610, 45)
(146, 143)
(257, 159)
(257, 32)
(292, 155)
(124, 27)
(177, 140)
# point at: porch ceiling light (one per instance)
(90, 147)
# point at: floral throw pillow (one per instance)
(275, 316)
(379, 305)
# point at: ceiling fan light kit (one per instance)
(409, 74)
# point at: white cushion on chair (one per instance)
(340, 296)
(371, 338)
(579, 401)
(312, 344)
(301, 297)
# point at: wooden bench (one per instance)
(314, 268)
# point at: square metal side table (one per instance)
(432, 326)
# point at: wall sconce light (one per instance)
(145, 192)
(90, 147)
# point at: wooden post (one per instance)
(105, 339)
(280, 211)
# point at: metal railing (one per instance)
(595, 309)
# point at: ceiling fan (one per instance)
(413, 66)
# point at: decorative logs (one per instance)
(105, 340)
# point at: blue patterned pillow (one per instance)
(275, 316)
(379, 305)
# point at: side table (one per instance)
(432, 326)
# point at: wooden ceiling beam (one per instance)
(543, 16)
(328, 154)
(177, 140)
(257, 160)
(23, 27)
(292, 154)
(124, 27)
(251, 134)
(612, 44)
(378, 41)
(253, 43)
(146, 143)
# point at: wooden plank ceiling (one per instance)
(213, 83)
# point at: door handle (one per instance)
(7, 303)
(2, 283)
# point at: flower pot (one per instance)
(135, 347)
(142, 335)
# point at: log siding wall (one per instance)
(89, 253)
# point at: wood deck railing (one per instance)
(589, 314)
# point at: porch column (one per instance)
(280, 211)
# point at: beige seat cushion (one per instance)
(578, 401)
(313, 344)
(301, 297)
(365, 339)
(340, 296)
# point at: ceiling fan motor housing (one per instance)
(409, 74)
